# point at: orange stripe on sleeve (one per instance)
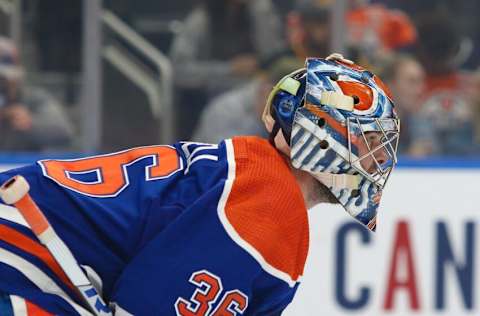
(34, 310)
(24, 243)
(266, 208)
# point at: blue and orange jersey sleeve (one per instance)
(11, 305)
(265, 214)
(264, 210)
(30, 275)
(241, 245)
(98, 205)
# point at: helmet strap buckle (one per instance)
(338, 181)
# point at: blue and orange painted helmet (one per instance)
(337, 121)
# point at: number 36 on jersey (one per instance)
(209, 291)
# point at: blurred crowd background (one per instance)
(90, 75)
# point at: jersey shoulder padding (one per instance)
(262, 207)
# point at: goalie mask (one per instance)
(337, 122)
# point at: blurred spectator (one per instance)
(221, 41)
(308, 29)
(218, 48)
(376, 30)
(239, 111)
(30, 119)
(445, 121)
(438, 49)
(444, 126)
(467, 21)
(405, 77)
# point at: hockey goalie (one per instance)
(199, 229)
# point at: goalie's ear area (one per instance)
(286, 100)
(286, 96)
(284, 106)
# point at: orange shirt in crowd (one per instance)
(392, 28)
(448, 90)
(457, 83)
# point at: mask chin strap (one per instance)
(273, 133)
(338, 181)
(278, 140)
